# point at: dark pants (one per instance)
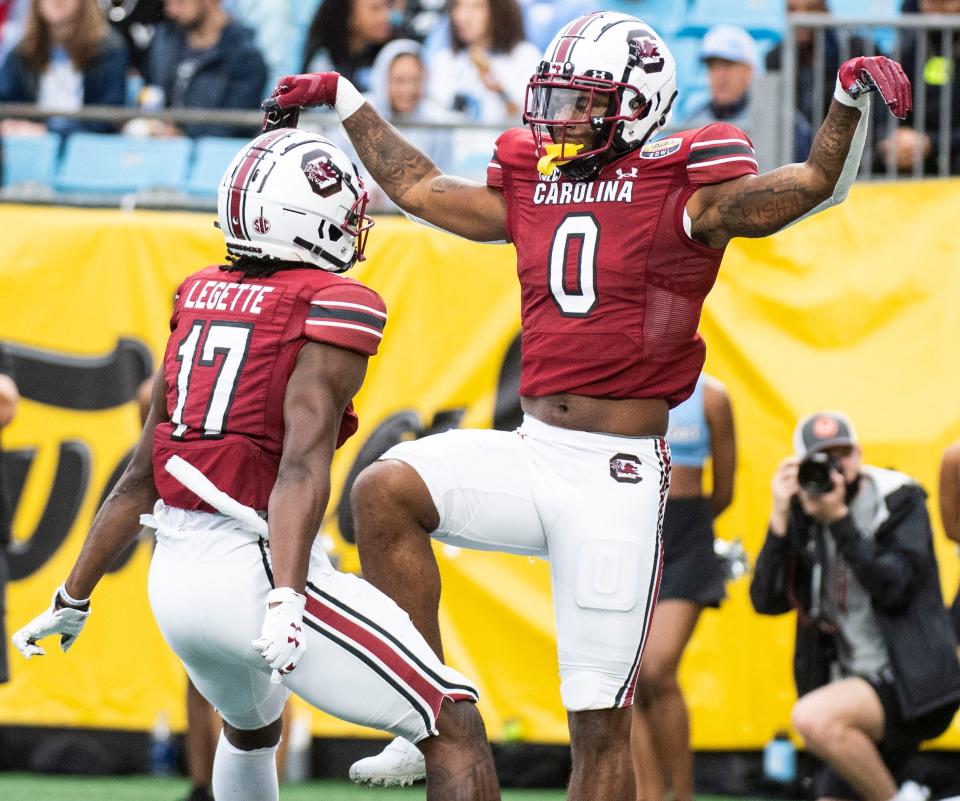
(4, 576)
(901, 739)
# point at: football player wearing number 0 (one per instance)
(264, 358)
(619, 238)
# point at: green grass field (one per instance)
(33, 787)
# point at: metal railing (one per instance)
(247, 123)
(846, 29)
(775, 100)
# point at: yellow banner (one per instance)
(855, 309)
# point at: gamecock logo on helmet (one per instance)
(322, 174)
(645, 52)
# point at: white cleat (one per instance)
(911, 791)
(397, 765)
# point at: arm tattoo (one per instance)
(832, 142)
(770, 201)
(393, 162)
(448, 184)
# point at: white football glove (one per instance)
(67, 621)
(281, 642)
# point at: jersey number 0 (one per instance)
(584, 230)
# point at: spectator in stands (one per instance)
(732, 58)
(950, 511)
(398, 85)
(850, 549)
(202, 58)
(484, 71)
(68, 58)
(9, 397)
(917, 141)
(346, 36)
(399, 81)
(136, 21)
(834, 52)
(13, 15)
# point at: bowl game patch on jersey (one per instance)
(664, 147)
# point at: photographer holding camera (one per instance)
(850, 549)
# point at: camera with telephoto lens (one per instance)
(815, 473)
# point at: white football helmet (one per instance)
(607, 80)
(294, 195)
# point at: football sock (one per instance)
(245, 775)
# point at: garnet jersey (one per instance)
(233, 346)
(611, 284)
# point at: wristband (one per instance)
(349, 99)
(842, 97)
(69, 600)
(284, 595)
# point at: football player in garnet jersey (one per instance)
(255, 393)
(619, 238)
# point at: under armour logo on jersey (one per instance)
(623, 174)
(625, 468)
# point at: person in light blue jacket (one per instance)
(68, 58)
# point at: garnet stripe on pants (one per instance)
(394, 662)
(429, 720)
(626, 692)
(456, 691)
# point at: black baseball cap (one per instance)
(822, 430)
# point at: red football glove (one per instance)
(311, 89)
(860, 75)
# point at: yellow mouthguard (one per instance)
(556, 155)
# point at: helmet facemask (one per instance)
(605, 56)
(575, 119)
(355, 223)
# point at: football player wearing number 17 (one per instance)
(264, 358)
(618, 240)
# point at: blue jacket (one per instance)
(230, 75)
(104, 81)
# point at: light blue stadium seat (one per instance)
(543, 18)
(691, 71)
(880, 10)
(302, 16)
(764, 19)
(211, 156)
(472, 149)
(30, 159)
(113, 163)
(666, 16)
